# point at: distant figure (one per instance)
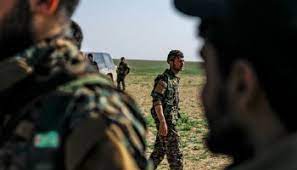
(90, 57)
(250, 92)
(92, 63)
(122, 71)
(165, 112)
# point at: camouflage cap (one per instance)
(174, 53)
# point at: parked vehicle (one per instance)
(105, 64)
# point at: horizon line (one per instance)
(140, 59)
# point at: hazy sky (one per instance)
(136, 29)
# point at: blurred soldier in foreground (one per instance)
(54, 113)
(251, 89)
(165, 113)
(122, 71)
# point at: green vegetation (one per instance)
(186, 123)
(191, 132)
(145, 67)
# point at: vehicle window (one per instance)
(100, 60)
(108, 61)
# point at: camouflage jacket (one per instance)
(57, 116)
(123, 69)
(166, 92)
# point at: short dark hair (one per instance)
(76, 33)
(174, 53)
(268, 44)
(68, 6)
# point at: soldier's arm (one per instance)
(163, 129)
(158, 95)
(128, 69)
(96, 140)
(160, 114)
(87, 149)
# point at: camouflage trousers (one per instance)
(121, 84)
(169, 146)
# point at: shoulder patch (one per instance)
(160, 87)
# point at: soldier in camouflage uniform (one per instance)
(165, 113)
(122, 71)
(55, 115)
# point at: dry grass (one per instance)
(192, 128)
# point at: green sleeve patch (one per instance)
(47, 140)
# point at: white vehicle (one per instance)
(104, 63)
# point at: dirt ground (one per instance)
(196, 156)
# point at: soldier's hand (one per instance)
(163, 129)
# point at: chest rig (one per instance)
(171, 98)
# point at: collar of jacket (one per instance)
(171, 73)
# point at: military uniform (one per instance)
(122, 71)
(166, 92)
(57, 116)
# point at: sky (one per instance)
(137, 29)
